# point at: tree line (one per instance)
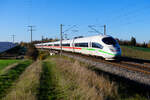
(133, 42)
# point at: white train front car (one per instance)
(110, 48)
(102, 45)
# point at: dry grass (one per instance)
(25, 87)
(82, 84)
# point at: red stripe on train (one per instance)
(62, 47)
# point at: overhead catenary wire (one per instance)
(97, 31)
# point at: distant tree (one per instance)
(133, 41)
(148, 45)
(144, 45)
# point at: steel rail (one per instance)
(132, 66)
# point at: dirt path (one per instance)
(7, 68)
(25, 87)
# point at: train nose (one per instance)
(116, 51)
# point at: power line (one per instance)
(97, 31)
(71, 29)
(63, 33)
(65, 36)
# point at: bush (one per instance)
(32, 52)
(43, 55)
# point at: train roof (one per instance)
(93, 37)
(78, 39)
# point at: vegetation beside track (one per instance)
(139, 48)
(26, 86)
(50, 88)
(5, 63)
(136, 52)
(127, 89)
(63, 79)
(7, 79)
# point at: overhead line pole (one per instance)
(61, 39)
(31, 30)
(61, 35)
(13, 36)
(42, 38)
(104, 29)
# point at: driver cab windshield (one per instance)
(109, 41)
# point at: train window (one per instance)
(67, 45)
(50, 45)
(56, 44)
(81, 44)
(97, 45)
(109, 41)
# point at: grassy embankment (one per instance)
(7, 79)
(67, 79)
(63, 79)
(5, 63)
(136, 52)
(26, 86)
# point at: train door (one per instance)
(90, 52)
(72, 45)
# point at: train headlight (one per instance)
(112, 50)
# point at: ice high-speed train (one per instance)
(101, 45)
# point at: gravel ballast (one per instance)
(112, 69)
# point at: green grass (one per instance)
(49, 88)
(138, 48)
(7, 79)
(5, 63)
(62, 79)
(136, 52)
(25, 88)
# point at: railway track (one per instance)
(141, 68)
(133, 67)
(137, 71)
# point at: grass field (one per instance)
(139, 48)
(64, 79)
(7, 79)
(23, 88)
(61, 78)
(136, 52)
(5, 63)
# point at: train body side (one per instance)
(95, 46)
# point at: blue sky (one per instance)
(123, 18)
